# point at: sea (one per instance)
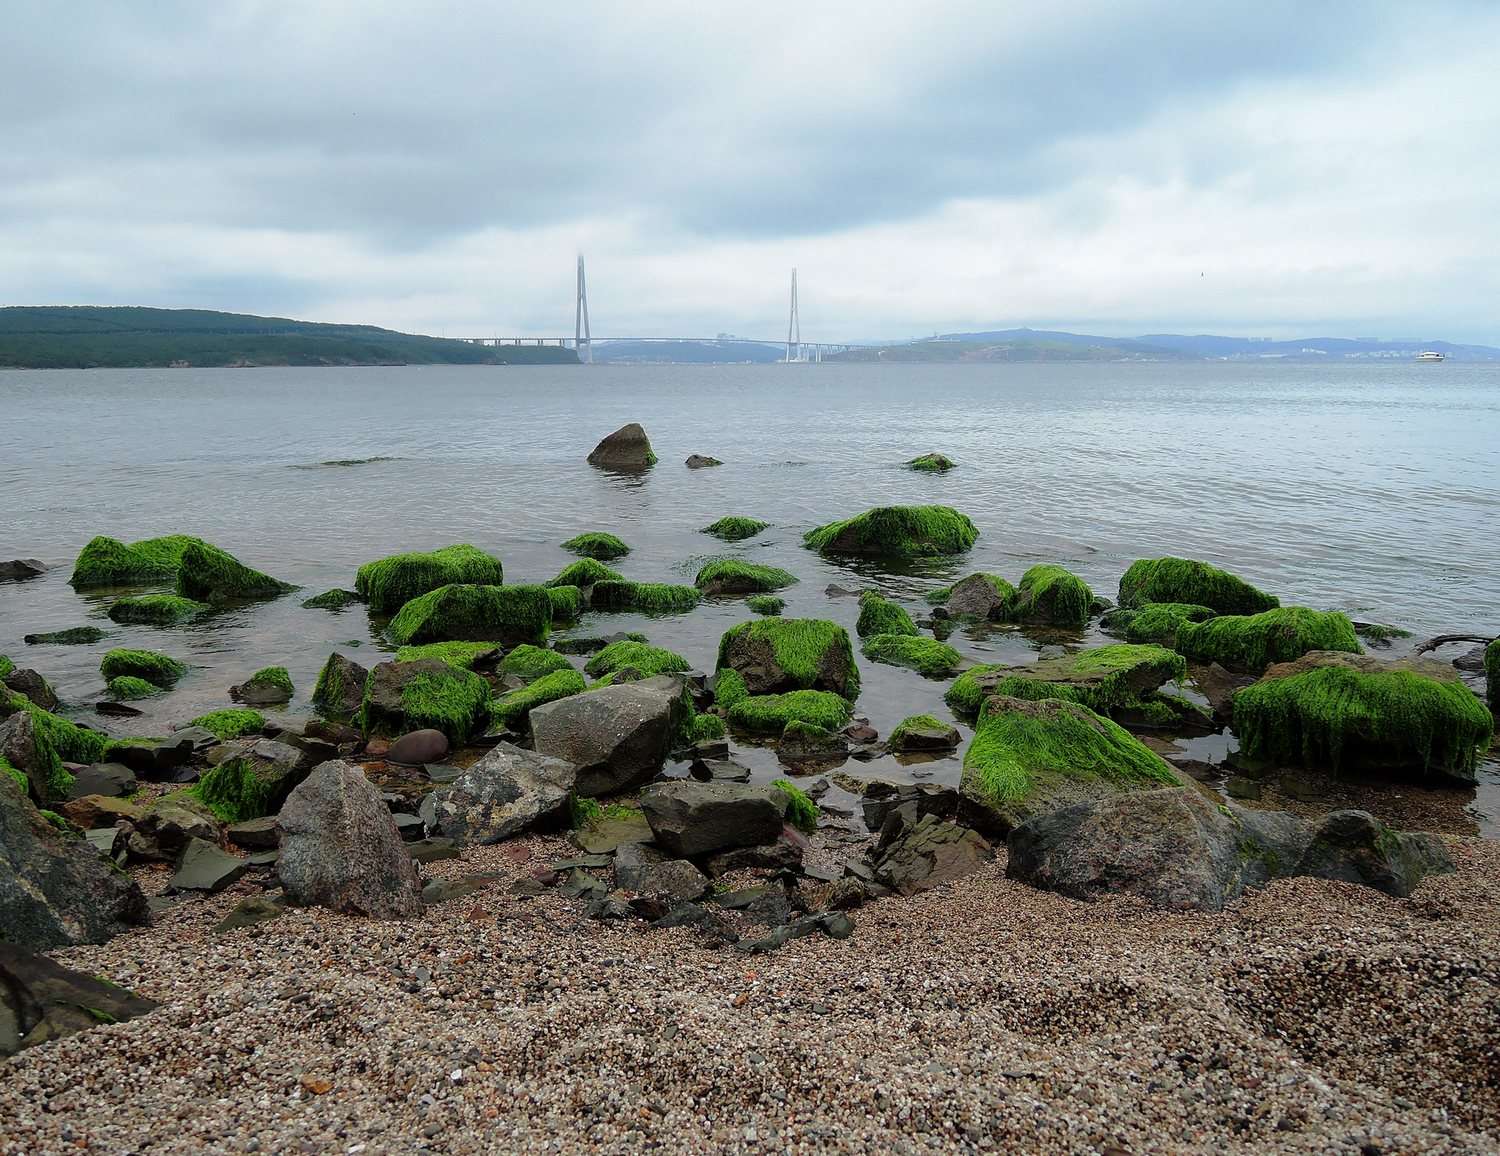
(1367, 487)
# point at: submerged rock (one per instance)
(896, 531)
(628, 448)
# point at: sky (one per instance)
(1277, 168)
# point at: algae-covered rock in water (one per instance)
(628, 448)
(598, 545)
(340, 689)
(984, 597)
(1156, 622)
(1028, 758)
(512, 710)
(1252, 642)
(879, 615)
(126, 688)
(208, 574)
(923, 732)
(701, 461)
(1492, 673)
(464, 655)
(156, 609)
(1330, 708)
(773, 655)
(73, 636)
(110, 562)
(927, 656)
(528, 663)
(647, 659)
(266, 687)
(1052, 596)
(645, 597)
(896, 531)
(335, 600)
(767, 604)
(509, 615)
(729, 576)
(157, 669)
(388, 584)
(771, 714)
(568, 603)
(230, 724)
(427, 694)
(585, 572)
(932, 464)
(1106, 679)
(1195, 583)
(734, 528)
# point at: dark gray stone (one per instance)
(22, 747)
(618, 737)
(1356, 847)
(255, 834)
(782, 855)
(203, 867)
(918, 852)
(108, 779)
(691, 818)
(719, 770)
(32, 686)
(628, 448)
(432, 850)
(701, 462)
(20, 569)
(255, 909)
(975, 597)
(41, 1000)
(640, 868)
(915, 738)
(508, 791)
(156, 760)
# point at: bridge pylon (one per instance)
(582, 342)
(794, 327)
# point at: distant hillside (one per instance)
(725, 352)
(90, 336)
(1017, 345)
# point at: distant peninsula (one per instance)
(127, 337)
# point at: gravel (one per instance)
(1312, 1017)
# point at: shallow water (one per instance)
(1364, 487)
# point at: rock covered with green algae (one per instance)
(1156, 622)
(464, 655)
(1052, 596)
(110, 562)
(208, 574)
(230, 724)
(734, 528)
(512, 709)
(767, 604)
(982, 596)
(774, 655)
(568, 603)
(340, 689)
(1332, 708)
(156, 609)
(628, 448)
(645, 597)
(927, 656)
(157, 669)
(923, 732)
(731, 577)
(510, 615)
(529, 663)
(1492, 673)
(932, 464)
(645, 658)
(1028, 758)
(126, 688)
(427, 694)
(1196, 583)
(597, 544)
(896, 531)
(266, 687)
(388, 584)
(879, 615)
(585, 572)
(335, 600)
(771, 714)
(1104, 679)
(1252, 642)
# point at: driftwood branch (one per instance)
(1444, 639)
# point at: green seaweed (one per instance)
(1379, 634)
(156, 609)
(1125, 668)
(271, 678)
(646, 597)
(703, 728)
(896, 531)
(529, 663)
(568, 602)
(70, 742)
(73, 636)
(510, 710)
(6, 666)
(234, 791)
(729, 689)
(648, 659)
(798, 646)
(207, 573)
(1013, 750)
(456, 702)
(332, 600)
(583, 811)
(1492, 673)
(927, 656)
(1159, 621)
(328, 691)
(109, 562)
(585, 572)
(126, 687)
(732, 576)
(1050, 594)
(230, 724)
(966, 695)
(916, 722)
(1183, 580)
(1317, 715)
(768, 714)
(511, 614)
(463, 655)
(157, 669)
(388, 584)
(939, 596)
(932, 464)
(1255, 641)
(879, 615)
(598, 545)
(801, 811)
(767, 604)
(734, 528)
(18, 777)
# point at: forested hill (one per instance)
(91, 336)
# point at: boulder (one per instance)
(56, 891)
(207, 574)
(109, 779)
(260, 834)
(41, 1000)
(1251, 642)
(783, 855)
(341, 687)
(777, 655)
(628, 448)
(802, 745)
(1183, 580)
(419, 748)
(269, 687)
(427, 694)
(508, 615)
(32, 686)
(390, 583)
(20, 569)
(644, 869)
(340, 848)
(1179, 849)
(979, 596)
(23, 747)
(1052, 596)
(896, 531)
(618, 736)
(701, 462)
(155, 760)
(170, 824)
(252, 778)
(691, 818)
(203, 867)
(921, 734)
(509, 791)
(920, 852)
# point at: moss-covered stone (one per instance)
(401, 697)
(157, 669)
(127, 687)
(801, 811)
(1104, 679)
(339, 691)
(110, 562)
(73, 636)
(1338, 709)
(1183, 580)
(703, 728)
(731, 577)
(70, 742)
(585, 572)
(16, 776)
(773, 655)
(735, 529)
(767, 604)
(236, 791)
(506, 614)
(209, 574)
(1030, 757)
(6, 666)
(648, 659)
(530, 663)
(230, 724)
(927, 656)
(932, 464)
(1492, 673)
(879, 615)
(977, 597)
(896, 531)
(568, 603)
(922, 732)
(769, 714)
(1156, 622)
(388, 584)
(511, 710)
(597, 545)
(274, 681)
(1051, 596)
(463, 655)
(645, 597)
(1252, 642)
(156, 609)
(335, 600)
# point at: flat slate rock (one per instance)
(205, 868)
(41, 1000)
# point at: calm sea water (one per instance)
(1367, 488)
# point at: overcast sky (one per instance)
(1283, 167)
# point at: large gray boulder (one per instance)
(617, 736)
(56, 891)
(976, 597)
(41, 1000)
(340, 848)
(1181, 850)
(32, 686)
(508, 791)
(21, 746)
(691, 818)
(628, 448)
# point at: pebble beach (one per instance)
(1312, 1016)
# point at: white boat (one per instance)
(1431, 355)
